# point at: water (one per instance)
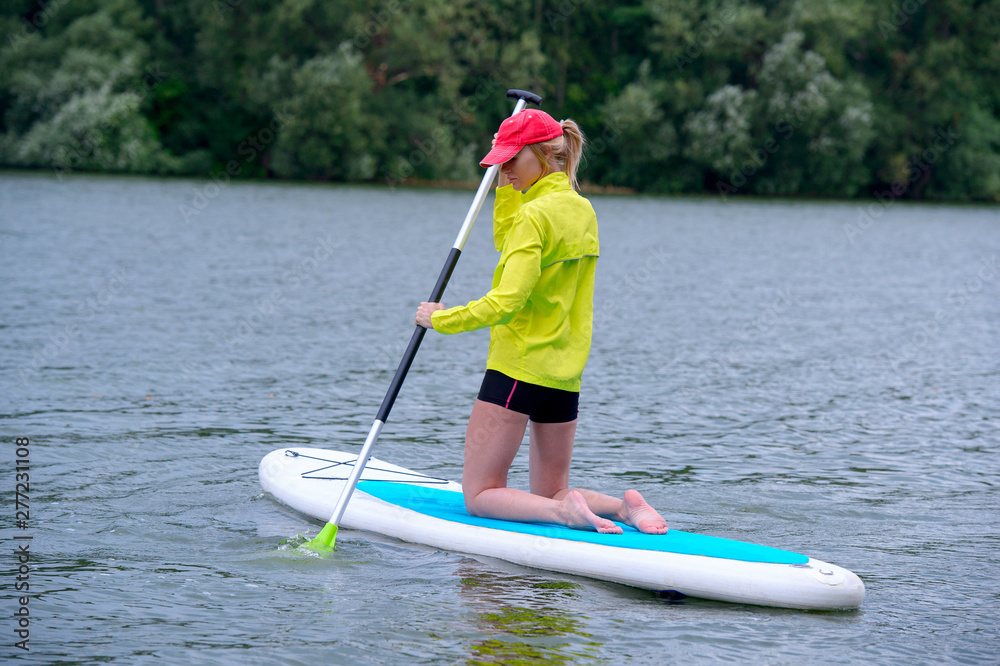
(775, 372)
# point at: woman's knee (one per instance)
(471, 505)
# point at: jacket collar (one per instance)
(557, 181)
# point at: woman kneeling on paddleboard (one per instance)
(540, 311)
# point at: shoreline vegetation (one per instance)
(443, 184)
(778, 98)
(409, 183)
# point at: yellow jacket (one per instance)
(541, 306)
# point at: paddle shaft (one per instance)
(523, 98)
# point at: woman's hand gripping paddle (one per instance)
(325, 541)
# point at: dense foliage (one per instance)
(893, 98)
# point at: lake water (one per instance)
(821, 377)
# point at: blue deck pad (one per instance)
(449, 505)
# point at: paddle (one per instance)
(325, 540)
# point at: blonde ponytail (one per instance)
(562, 153)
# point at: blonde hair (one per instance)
(562, 153)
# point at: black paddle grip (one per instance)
(530, 97)
(416, 338)
(449, 267)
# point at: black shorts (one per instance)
(540, 403)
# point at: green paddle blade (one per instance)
(324, 541)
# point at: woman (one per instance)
(541, 310)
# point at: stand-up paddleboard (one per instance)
(400, 503)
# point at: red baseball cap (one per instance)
(527, 126)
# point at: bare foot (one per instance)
(576, 514)
(641, 516)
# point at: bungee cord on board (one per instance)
(408, 477)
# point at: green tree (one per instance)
(325, 131)
(639, 138)
(799, 131)
(786, 97)
(76, 97)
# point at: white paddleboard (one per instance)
(400, 503)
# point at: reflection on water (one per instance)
(523, 621)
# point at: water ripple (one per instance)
(756, 375)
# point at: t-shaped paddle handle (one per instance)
(531, 97)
